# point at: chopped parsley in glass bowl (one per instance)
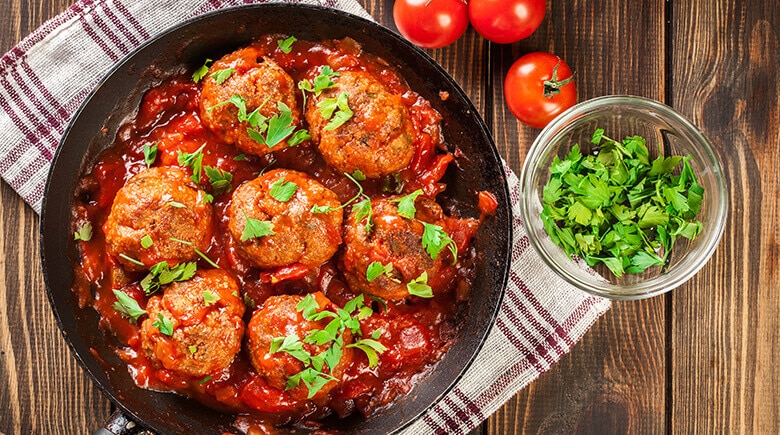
(623, 197)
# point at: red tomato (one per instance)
(431, 23)
(538, 87)
(506, 21)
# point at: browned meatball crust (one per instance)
(393, 239)
(206, 333)
(278, 317)
(162, 203)
(300, 236)
(377, 140)
(260, 82)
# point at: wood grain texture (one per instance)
(699, 360)
(615, 378)
(42, 388)
(726, 328)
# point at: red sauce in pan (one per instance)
(417, 331)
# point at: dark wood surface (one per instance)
(701, 359)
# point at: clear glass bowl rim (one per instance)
(659, 284)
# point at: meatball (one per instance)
(260, 82)
(377, 139)
(205, 314)
(159, 205)
(299, 236)
(397, 240)
(279, 317)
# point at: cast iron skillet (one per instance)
(185, 47)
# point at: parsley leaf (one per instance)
(160, 274)
(127, 306)
(280, 125)
(283, 190)
(298, 137)
(371, 348)
(194, 161)
(255, 228)
(363, 210)
(406, 206)
(84, 233)
(163, 324)
(286, 44)
(210, 298)
(220, 180)
(376, 268)
(336, 109)
(220, 76)
(150, 154)
(435, 239)
(201, 72)
(323, 81)
(419, 286)
(357, 174)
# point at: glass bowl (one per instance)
(622, 116)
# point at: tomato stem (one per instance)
(553, 86)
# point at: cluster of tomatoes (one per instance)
(538, 86)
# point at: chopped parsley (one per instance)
(286, 44)
(146, 242)
(363, 210)
(194, 161)
(201, 72)
(175, 204)
(220, 76)
(298, 137)
(160, 274)
(163, 324)
(318, 368)
(193, 349)
(283, 190)
(84, 233)
(150, 154)
(131, 259)
(256, 228)
(357, 174)
(277, 128)
(419, 286)
(210, 298)
(406, 206)
(336, 110)
(375, 269)
(617, 208)
(127, 306)
(435, 239)
(220, 180)
(323, 81)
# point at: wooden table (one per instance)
(700, 359)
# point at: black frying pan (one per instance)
(182, 49)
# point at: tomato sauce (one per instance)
(416, 333)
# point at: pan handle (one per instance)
(120, 424)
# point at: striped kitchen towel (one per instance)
(44, 79)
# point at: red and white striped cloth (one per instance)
(45, 78)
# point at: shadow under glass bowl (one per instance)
(664, 129)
